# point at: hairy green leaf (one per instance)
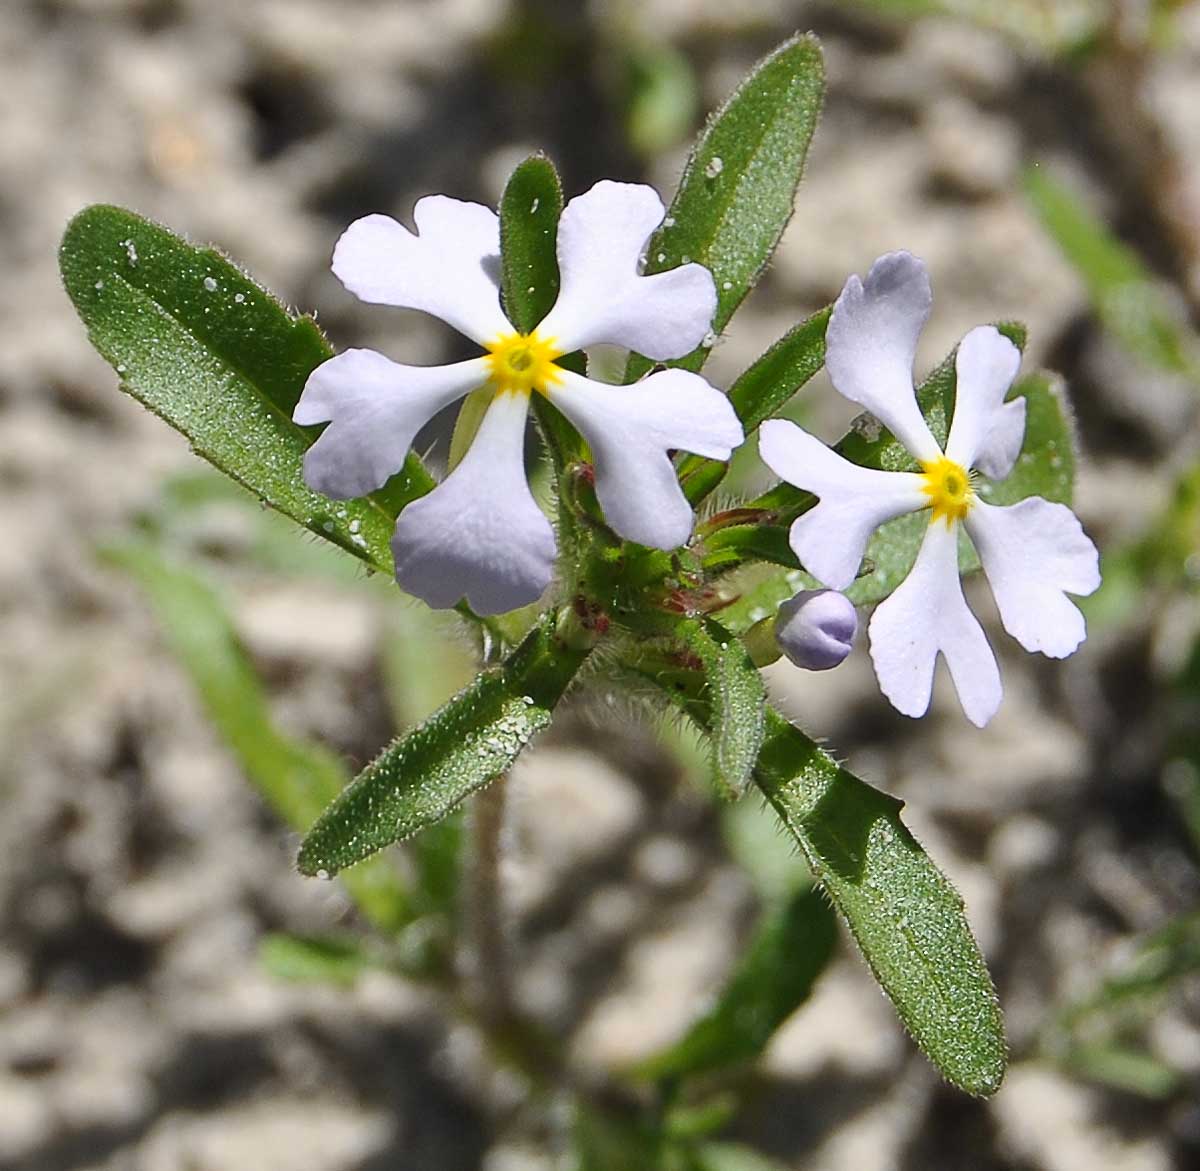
(901, 909)
(199, 343)
(792, 947)
(529, 211)
(761, 390)
(1129, 302)
(738, 700)
(297, 778)
(904, 914)
(739, 185)
(470, 741)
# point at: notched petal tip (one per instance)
(871, 343)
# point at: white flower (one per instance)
(1034, 552)
(479, 534)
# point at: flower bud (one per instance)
(816, 629)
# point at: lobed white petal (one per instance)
(479, 534)
(871, 342)
(374, 408)
(449, 268)
(985, 366)
(1003, 441)
(631, 429)
(928, 614)
(831, 537)
(601, 237)
(1034, 553)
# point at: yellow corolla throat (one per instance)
(522, 362)
(949, 488)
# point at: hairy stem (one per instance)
(489, 979)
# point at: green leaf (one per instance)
(470, 741)
(1129, 302)
(739, 185)
(738, 702)
(313, 959)
(904, 914)
(298, 779)
(762, 390)
(901, 909)
(792, 947)
(529, 212)
(199, 343)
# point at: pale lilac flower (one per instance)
(816, 628)
(479, 534)
(1034, 552)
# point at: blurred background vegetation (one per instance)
(184, 679)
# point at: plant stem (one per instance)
(489, 979)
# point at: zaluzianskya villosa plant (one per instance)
(885, 516)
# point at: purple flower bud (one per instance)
(816, 629)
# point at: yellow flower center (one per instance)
(522, 362)
(948, 486)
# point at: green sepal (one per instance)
(214, 354)
(739, 185)
(470, 741)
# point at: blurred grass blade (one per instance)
(298, 779)
(732, 1157)
(470, 741)
(739, 185)
(792, 947)
(199, 343)
(1129, 302)
(738, 703)
(660, 96)
(903, 913)
(762, 390)
(313, 959)
(1131, 1071)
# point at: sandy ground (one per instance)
(138, 871)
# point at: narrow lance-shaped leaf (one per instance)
(215, 355)
(762, 390)
(901, 909)
(467, 743)
(529, 213)
(737, 699)
(791, 948)
(298, 779)
(904, 914)
(739, 185)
